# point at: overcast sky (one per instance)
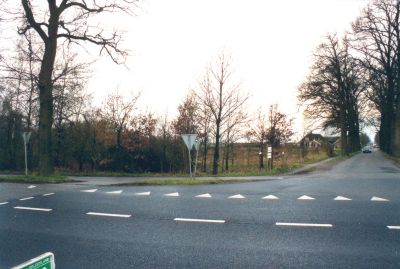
(271, 43)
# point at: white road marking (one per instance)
(342, 198)
(205, 195)
(4, 203)
(27, 198)
(237, 196)
(92, 190)
(108, 215)
(304, 224)
(33, 208)
(394, 227)
(147, 193)
(31, 187)
(200, 220)
(379, 199)
(174, 194)
(270, 197)
(305, 197)
(48, 194)
(114, 192)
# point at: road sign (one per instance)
(269, 155)
(26, 136)
(189, 140)
(44, 261)
(269, 149)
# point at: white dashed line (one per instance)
(379, 199)
(304, 224)
(4, 203)
(92, 190)
(305, 197)
(200, 220)
(342, 198)
(31, 187)
(108, 215)
(205, 195)
(394, 227)
(114, 192)
(237, 196)
(48, 194)
(147, 193)
(270, 197)
(33, 208)
(27, 198)
(174, 194)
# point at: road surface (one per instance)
(347, 217)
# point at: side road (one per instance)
(319, 166)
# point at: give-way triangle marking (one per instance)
(92, 190)
(342, 198)
(305, 197)
(31, 187)
(174, 194)
(115, 192)
(146, 193)
(270, 197)
(237, 196)
(206, 195)
(379, 199)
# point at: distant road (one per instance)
(347, 217)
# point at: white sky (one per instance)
(172, 41)
(271, 43)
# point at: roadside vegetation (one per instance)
(34, 179)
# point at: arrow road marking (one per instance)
(205, 195)
(27, 198)
(174, 194)
(114, 192)
(33, 208)
(48, 194)
(304, 224)
(31, 187)
(200, 220)
(92, 190)
(305, 197)
(108, 215)
(342, 198)
(270, 197)
(147, 193)
(4, 203)
(379, 199)
(394, 227)
(237, 196)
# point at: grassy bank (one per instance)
(35, 179)
(185, 181)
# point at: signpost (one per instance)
(189, 140)
(196, 146)
(44, 261)
(269, 157)
(26, 136)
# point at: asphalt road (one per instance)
(341, 222)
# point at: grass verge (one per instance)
(35, 179)
(186, 181)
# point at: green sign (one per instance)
(44, 261)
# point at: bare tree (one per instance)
(223, 99)
(118, 111)
(377, 39)
(72, 22)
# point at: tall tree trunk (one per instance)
(343, 130)
(45, 86)
(216, 150)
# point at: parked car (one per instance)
(367, 149)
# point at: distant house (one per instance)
(317, 141)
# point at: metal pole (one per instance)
(26, 161)
(190, 164)
(195, 164)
